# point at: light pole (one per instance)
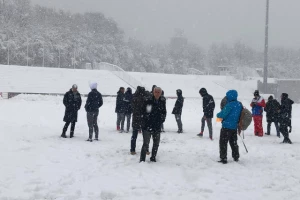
(266, 49)
(27, 52)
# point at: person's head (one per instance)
(157, 92)
(231, 95)
(129, 90)
(284, 96)
(93, 85)
(256, 93)
(203, 92)
(74, 88)
(122, 89)
(179, 92)
(142, 91)
(153, 87)
(270, 98)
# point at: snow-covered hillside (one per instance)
(37, 164)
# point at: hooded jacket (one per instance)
(177, 110)
(72, 102)
(208, 103)
(128, 101)
(94, 100)
(231, 112)
(137, 107)
(257, 104)
(286, 107)
(272, 109)
(120, 103)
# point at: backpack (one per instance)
(245, 119)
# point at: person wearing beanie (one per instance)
(177, 110)
(72, 102)
(257, 104)
(272, 112)
(208, 112)
(93, 103)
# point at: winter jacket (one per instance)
(128, 101)
(208, 104)
(137, 108)
(94, 101)
(257, 105)
(231, 112)
(286, 108)
(120, 103)
(72, 102)
(223, 103)
(154, 114)
(177, 110)
(272, 109)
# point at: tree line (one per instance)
(34, 35)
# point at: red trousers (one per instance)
(258, 128)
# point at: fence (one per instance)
(119, 72)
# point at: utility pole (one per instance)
(27, 52)
(43, 54)
(266, 49)
(8, 53)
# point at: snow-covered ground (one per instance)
(36, 164)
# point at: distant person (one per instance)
(257, 104)
(72, 102)
(137, 109)
(177, 110)
(93, 103)
(285, 116)
(230, 116)
(128, 107)
(208, 110)
(272, 109)
(154, 114)
(164, 98)
(120, 109)
(223, 103)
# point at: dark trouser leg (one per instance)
(233, 144)
(162, 126)
(65, 128)
(269, 128)
(156, 141)
(277, 128)
(122, 116)
(128, 116)
(90, 124)
(202, 124)
(133, 139)
(72, 129)
(284, 130)
(178, 120)
(146, 138)
(95, 124)
(223, 143)
(118, 119)
(209, 124)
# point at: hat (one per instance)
(256, 93)
(74, 86)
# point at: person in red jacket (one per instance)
(257, 104)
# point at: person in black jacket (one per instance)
(154, 114)
(93, 103)
(208, 110)
(177, 110)
(272, 109)
(72, 102)
(164, 98)
(137, 109)
(120, 109)
(285, 116)
(128, 107)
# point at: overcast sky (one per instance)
(203, 21)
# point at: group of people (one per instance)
(148, 110)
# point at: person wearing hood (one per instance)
(285, 116)
(137, 109)
(272, 109)
(72, 102)
(177, 110)
(128, 107)
(120, 109)
(208, 110)
(230, 116)
(257, 104)
(93, 103)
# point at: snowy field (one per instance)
(36, 164)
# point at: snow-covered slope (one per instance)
(55, 80)
(37, 164)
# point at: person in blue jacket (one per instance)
(230, 116)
